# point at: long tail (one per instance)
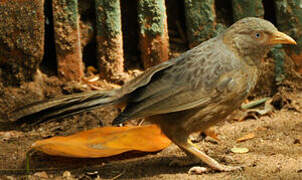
(67, 105)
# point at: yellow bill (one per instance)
(281, 38)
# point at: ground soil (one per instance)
(274, 153)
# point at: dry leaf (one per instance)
(239, 150)
(212, 133)
(246, 137)
(104, 142)
(255, 113)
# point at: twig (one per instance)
(28, 154)
(119, 175)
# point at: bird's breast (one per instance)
(228, 98)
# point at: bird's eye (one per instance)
(259, 36)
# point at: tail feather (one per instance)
(66, 105)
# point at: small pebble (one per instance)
(239, 150)
(297, 141)
(10, 178)
(42, 174)
(198, 170)
(66, 174)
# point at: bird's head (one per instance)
(252, 38)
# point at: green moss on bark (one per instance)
(65, 13)
(279, 55)
(108, 18)
(110, 41)
(247, 8)
(289, 19)
(67, 39)
(69, 8)
(200, 20)
(151, 17)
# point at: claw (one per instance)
(200, 170)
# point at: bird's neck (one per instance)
(251, 56)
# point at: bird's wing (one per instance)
(144, 78)
(192, 81)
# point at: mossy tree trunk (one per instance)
(200, 20)
(154, 40)
(109, 40)
(67, 39)
(289, 19)
(21, 40)
(247, 8)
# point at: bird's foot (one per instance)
(221, 168)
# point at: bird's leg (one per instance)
(191, 148)
(184, 143)
(189, 160)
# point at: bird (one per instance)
(185, 94)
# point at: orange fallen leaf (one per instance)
(246, 137)
(104, 142)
